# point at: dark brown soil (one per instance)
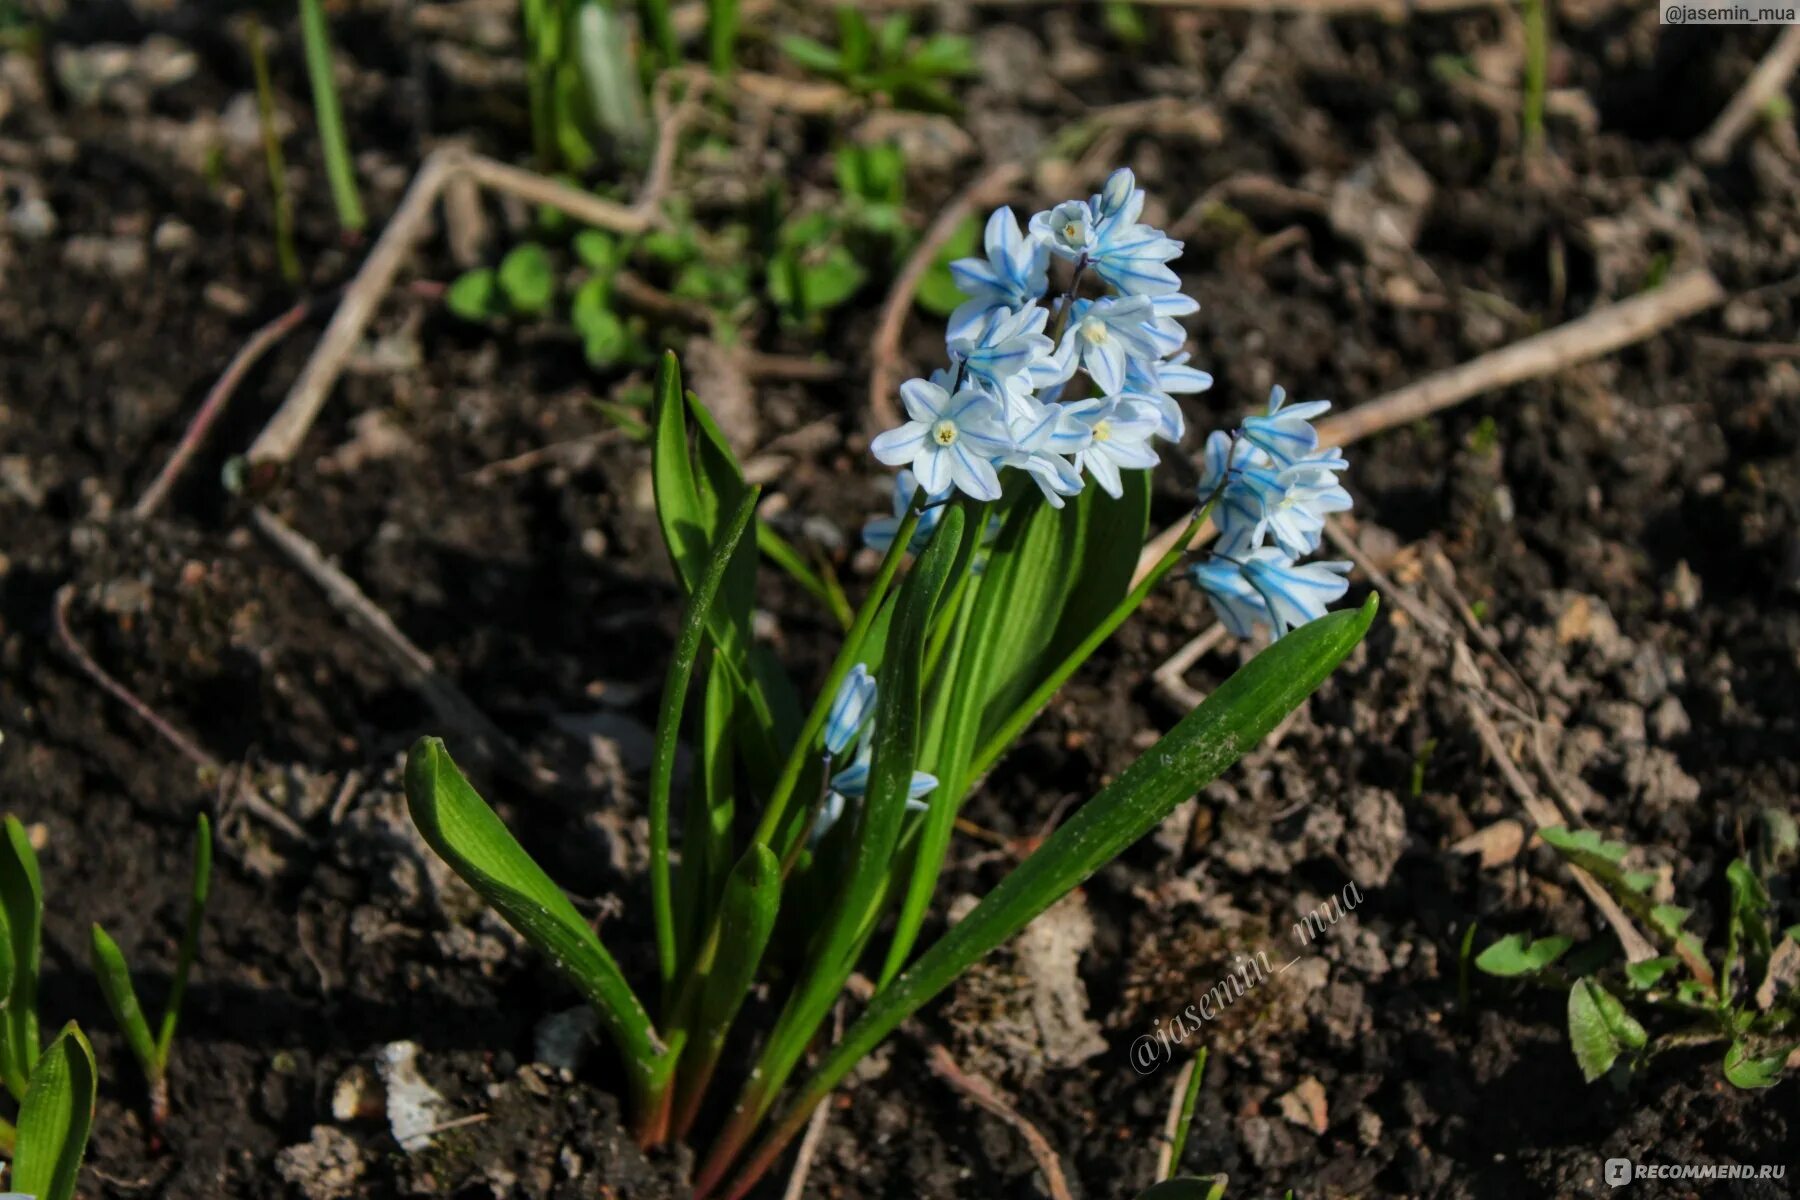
(1631, 530)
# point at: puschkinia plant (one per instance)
(814, 826)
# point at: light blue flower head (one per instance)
(1285, 433)
(1014, 273)
(951, 441)
(850, 709)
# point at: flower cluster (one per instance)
(846, 723)
(1008, 397)
(1273, 488)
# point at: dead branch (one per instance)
(1588, 337)
(985, 1096)
(1766, 82)
(414, 666)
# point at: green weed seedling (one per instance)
(54, 1087)
(885, 60)
(152, 1052)
(1745, 994)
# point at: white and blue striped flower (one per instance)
(951, 440)
(1285, 433)
(1295, 593)
(1109, 333)
(1120, 430)
(1014, 273)
(879, 533)
(850, 709)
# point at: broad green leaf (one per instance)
(527, 279)
(706, 833)
(22, 894)
(54, 1119)
(1234, 718)
(1600, 1029)
(1583, 841)
(830, 279)
(121, 998)
(1515, 954)
(473, 295)
(694, 492)
(943, 54)
(465, 833)
(1747, 1069)
(668, 729)
(598, 251)
(1646, 974)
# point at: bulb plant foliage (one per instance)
(814, 826)
(1744, 994)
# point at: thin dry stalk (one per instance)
(1588, 337)
(986, 1096)
(414, 666)
(1766, 82)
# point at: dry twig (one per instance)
(220, 394)
(1766, 82)
(1586, 338)
(986, 1096)
(415, 667)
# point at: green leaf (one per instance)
(813, 55)
(782, 553)
(829, 280)
(878, 818)
(1643, 975)
(1747, 1069)
(54, 1119)
(1600, 1029)
(668, 729)
(746, 918)
(606, 340)
(938, 293)
(527, 279)
(465, 833)
(22, 894)
(1184, 1120)
(474, 295)
(599, 252)
(1235, 717)
(1747, 931)
(121, 997)
(694, 493)
(1582, 840)
(1515, 954)
(199, 892)
(943, 54)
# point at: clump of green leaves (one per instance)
(886, 60)
(528, 283)
(152, 1051)
(1745, 993)
(54, 1086)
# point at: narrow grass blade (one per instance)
(22, 894)
(339, 168)
(121, 998)
(782, 553)
(721, 35)
(465, 833)
(1237, 715)
(668, 731)
(273, 158)
(659, 20)
(1185, 1121)
(198, 893)
(54, 1119)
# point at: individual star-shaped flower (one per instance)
(951, 440)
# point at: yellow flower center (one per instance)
(944, 433)
(1071, 230)
(1094, 330)
(1103, 431)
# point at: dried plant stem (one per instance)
(1588, 337)
(1766, 82)
(986, 1096)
